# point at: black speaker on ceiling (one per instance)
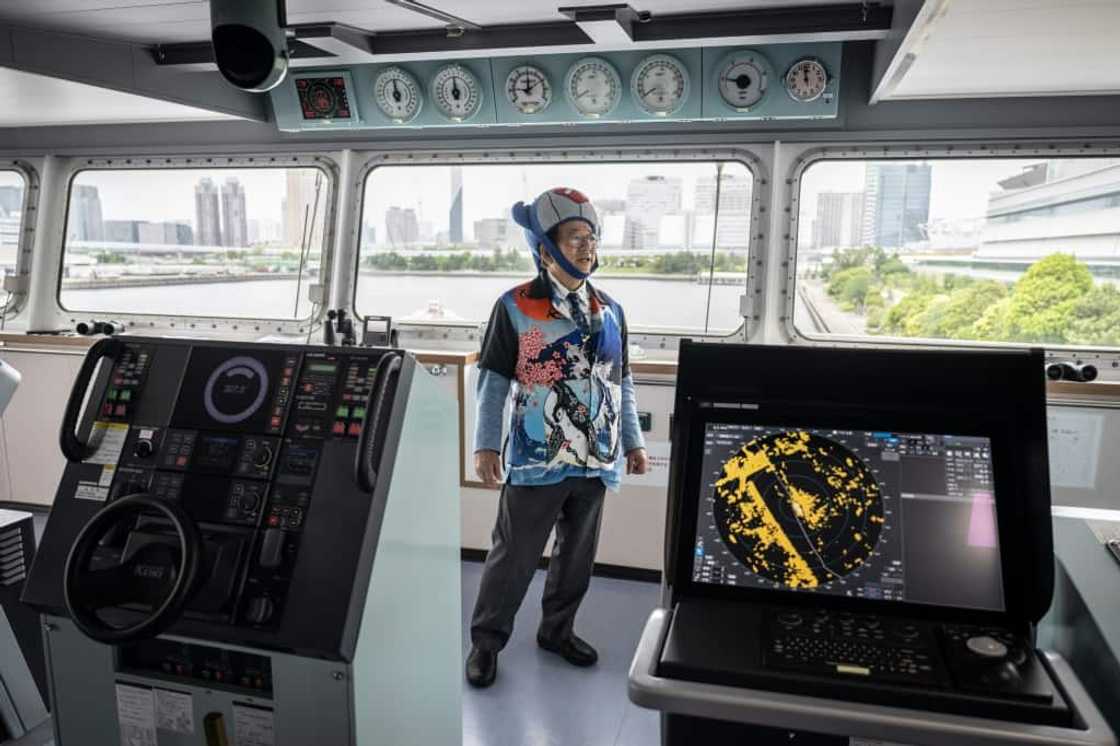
(250, 44)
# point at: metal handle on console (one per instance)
(72, 447)
(372, 440)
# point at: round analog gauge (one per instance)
(397, 94)
(528, 89)
(456, 92)
(743, 80)
(806, 80)
(593, 87)
(660, 84)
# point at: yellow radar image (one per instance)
(798, 508)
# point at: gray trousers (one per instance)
(525, 516)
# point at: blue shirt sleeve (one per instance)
(631, 428)
(491, 392)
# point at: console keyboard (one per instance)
(850, 645)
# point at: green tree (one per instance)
(1096, 318)
(1043, 299)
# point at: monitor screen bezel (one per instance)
(815, 416)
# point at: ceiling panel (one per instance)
(984, 48)
(50, 101)
(155, 21)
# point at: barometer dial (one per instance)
(593, 87)
(397, 94)
(528, 89)
(456, 92)
(806, 80)
(660, 84)
(744, 78)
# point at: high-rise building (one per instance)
(839, 222)
(123, 231)
(305, 203)
(402, 227)
(207, 214)
(455, 231)
(86, 223)
(734, 228)
(235, 224)
(168, 234)
(895, 203)
(647, 201)
(493, 233)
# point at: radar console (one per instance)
(859, 526)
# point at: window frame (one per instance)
(1109, 357)
(26, 243)
(202, 323)
(753, 282)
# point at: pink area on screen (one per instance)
(982, 522)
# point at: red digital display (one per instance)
(323, 98)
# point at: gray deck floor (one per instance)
(539, 699)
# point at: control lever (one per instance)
(272, 548)
(72, 447)
(375, 424)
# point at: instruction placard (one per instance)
(252, 726)
(136, 715)
(107, 439)
(174, 711)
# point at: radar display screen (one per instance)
(878, 515)
(323, 98)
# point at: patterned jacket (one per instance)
(573, 411)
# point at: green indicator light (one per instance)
(343, 412)
(359, 413)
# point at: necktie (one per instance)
(578, 315)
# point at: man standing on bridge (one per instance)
(561, 345)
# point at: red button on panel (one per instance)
(274, 520)
(181, 461)
(107, 410)
(355, 428)
(121, 411)
(275, 422)
(339, 428)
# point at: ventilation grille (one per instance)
(13, 569)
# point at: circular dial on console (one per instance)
(744, 78)
(806, 80)
(528, 89)
(593, 87)
(456, 92)
(397, 94)
(235, 390)
(321, 98)
(660, 84)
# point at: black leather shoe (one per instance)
(482, 667)
(574, 650)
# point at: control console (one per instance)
(258, 450)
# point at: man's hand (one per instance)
(637, 462)
(488, 466)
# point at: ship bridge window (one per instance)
(438, 243)
(978, 250)
(229, 242)
(13, 187)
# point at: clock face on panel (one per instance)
(593, 87)
(397, 94)
(660, 84)
(456, 92)
(528, 89)
(806, 80)
(744, 79)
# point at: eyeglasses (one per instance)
(579, 242)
